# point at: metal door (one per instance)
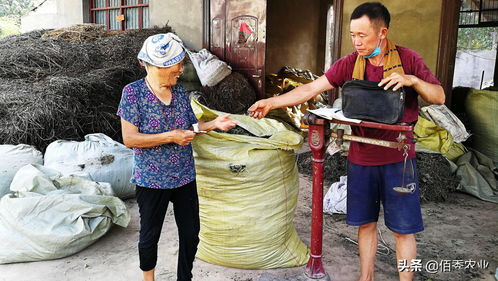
(238, 36)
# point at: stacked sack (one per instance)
(99, 156)
(14, 157)
(209, 68)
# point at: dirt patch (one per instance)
(106, 159)
(435, 176)
(436, 179)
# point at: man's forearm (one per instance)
(294, 97)
(302, 93)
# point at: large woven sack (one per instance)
(104, 159)
(248, 188)
(13, 158)
(482, 110)
(442, 116)
(50, 216)
(478, 175)
(437, 139)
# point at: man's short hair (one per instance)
(375, 11)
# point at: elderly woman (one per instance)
(159, 124)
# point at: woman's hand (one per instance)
(182, 137)
(224, 122)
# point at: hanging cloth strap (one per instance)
(392, 63)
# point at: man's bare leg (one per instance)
(406, 249)
(367, 245)
(149, 275)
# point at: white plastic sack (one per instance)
(50, 216)
(335, 200)
(104, 159)
(443, 117)
(209, 68)
(12, 158)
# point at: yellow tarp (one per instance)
(248, 188)
(438, 139)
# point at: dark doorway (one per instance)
(296, 34)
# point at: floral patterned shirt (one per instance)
(165, 166)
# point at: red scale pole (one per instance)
(318, 134)
(316, 140)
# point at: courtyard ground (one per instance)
(463, 228)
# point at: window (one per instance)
(475, 63)
(478, 13)
(120, 14)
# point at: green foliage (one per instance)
(15, 7)
(11, 12)
(476, 38)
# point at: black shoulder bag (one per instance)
(365, 100)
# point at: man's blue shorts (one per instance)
(368, 186)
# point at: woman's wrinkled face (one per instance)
(166, 76)
(365, 35)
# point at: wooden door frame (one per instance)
(335, 45)
(448, 35)
(206, 23)
(336, 42)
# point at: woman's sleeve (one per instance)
(191, 116)
(128, 106)
(191, 119)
